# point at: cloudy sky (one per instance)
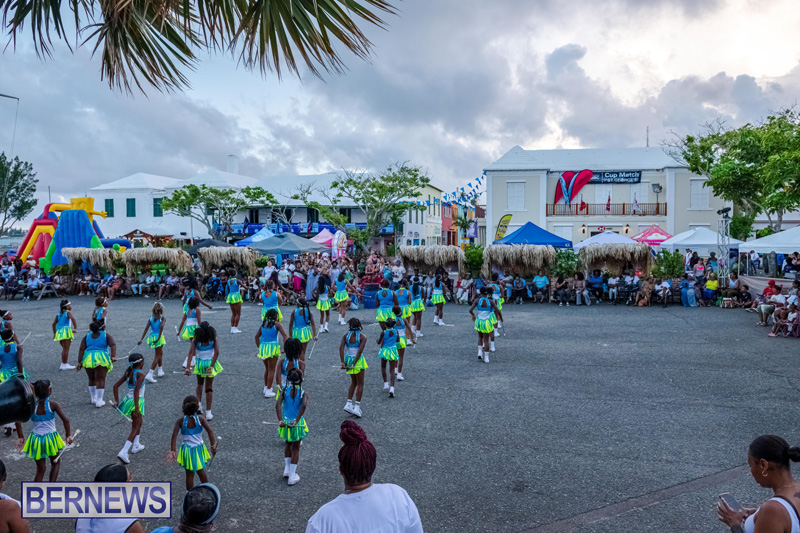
(452, 85)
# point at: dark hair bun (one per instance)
(351, 433)
(794, 454)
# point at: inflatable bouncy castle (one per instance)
(74, 228)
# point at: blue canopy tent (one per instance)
(530, 233)
(265, 233)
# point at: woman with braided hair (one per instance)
(364, 506)
(290, 407)
(269, 349)
(351, 354)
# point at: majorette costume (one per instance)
(285, 371)
(128, 403)
(291, 408)
(438, 295)
(301, 329)
(63, 327)
(193, 454)
(189, 296)
(270, 302)
(269, 346)
(353, 365)
(483, 321)
(202, 360)
(155, 338)
(98, 317)
(404, 300)
(341, 292)
(234, 296)
(323, 300)
(190, 325)
(43, 441)
(388, 349)
(386, 301)
(96, 352)
(400, 329)
(8, 362)
(416, 303)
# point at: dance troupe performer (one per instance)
(5, 323)
(63, 327)
(10, 366)
(417, 306)
(193, 292)
(290, 407)
(385, 301)
(206, 346)
(269, 349)
(271, 299)
(322, 293)
(437, 297)
(483, 323)
(403, 329)
(292, 348)
(351, 354)
(342, 296)
(100, 312)
(302, 326)
(233, 297)
(193, 454)
(388, 352)
(132, 405)
(189, 322)
(44, 440)
(155, 340)
(97, 354)
(497, 287)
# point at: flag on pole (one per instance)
(635, 204)
(608, 204)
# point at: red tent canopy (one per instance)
(652, 235)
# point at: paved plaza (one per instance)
(592, 419)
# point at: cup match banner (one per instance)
(97, 500)
(502, 226)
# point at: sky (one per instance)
(451, 86)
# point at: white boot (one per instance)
(485, 357)
(491, 346)
(480, 352)
(293, 477)
(287, 461)
(123, 454)
(160, 372)
(149, 377)
(348, 407)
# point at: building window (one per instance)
(423, 242)
(130, 204)
(699, 194)
(408, 242)
(602, 192)
(410, 214)
(516, 196)
(157, 211)
(416, 217)
(110, 207)
(253, 216)
(313, 215)
(347, 213)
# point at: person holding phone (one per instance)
(768, 457)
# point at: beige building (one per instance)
(622, 190)
(433, 215)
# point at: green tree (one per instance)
(215, 208)
(669, 265)
(473, 259)
(742, 226)
(18, 184)
(566, 263)
(462, 223)
(154, 42)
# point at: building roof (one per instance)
(586, 158)
(219, 179)
(139, 180)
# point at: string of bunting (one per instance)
(463, 195)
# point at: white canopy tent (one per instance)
(700, 240)
(607, 237)
(785, 242)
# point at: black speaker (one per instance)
(17, 402)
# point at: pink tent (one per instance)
(652, 235)
(324, 238)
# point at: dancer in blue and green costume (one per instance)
(385, 301)
(100, 313)
(404, 299)
(10, 357)
(437, 297)
(193, 292)
(271, 299)
(63, 327)
(191, 318)
(132, 405)
(155, 340)
(233, 297)
(497, 287)
(417, 303)
(351, 354)
(290, 408)
(192, 454)
(388, 354)
(269, 349)
(205, 346)
(97, 355)
(44, 441)
(342, 296)
(302, 326)
(323, 295)
(484, 325)
(404, 334)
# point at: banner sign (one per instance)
(502, 226)
(617, 176)
(96, 500)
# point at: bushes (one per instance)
(262, 261)
(566, 263)
(669, 265)
(473, 259)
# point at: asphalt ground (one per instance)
(599, 419)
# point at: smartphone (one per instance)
(728, 498)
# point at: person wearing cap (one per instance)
(364, 506)
(200, 508)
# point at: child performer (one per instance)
(404, 299)
(388, 352)
(233, 296)
(292, 348)
(497, 297)
(63, 327)
(483, 322)
(100, 312)
(44, 440)
(269, 349)
(417, 305)
(206, 345)
(97, 354)
(385, 301)
(437, 298)
(302, 326)
(402, 328)
(132, 404)
(193, 292)
(155, 340)
(342, 296)
(189, 322)
(290, 407)
(193, 454)
(322, 292)
(351, 353)
(10, 357)
(271, 299)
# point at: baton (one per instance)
(26, 338)
(216, 447)
(312, 350)
(126, 417)
(68, 446)
(178, 333)
(132, 349)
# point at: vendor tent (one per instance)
(607, 237)
(652, 235)
(785, 242)
(324, 237)
(255, 237)
(205, 244)
(530, 233)
(700, 240)
(288, 243)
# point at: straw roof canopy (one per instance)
(219, 256)
(525, 257)
(97, 257)
(143, 258)
(615, 256)
(432, 256)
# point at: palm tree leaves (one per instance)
(154, 42)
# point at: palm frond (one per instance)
(432, 256)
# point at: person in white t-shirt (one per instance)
(613, 283)
(365, 507)
(10, 509)
(283, 275)
(687, 258)
(269, 269)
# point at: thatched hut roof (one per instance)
(432, 256)
(218, 256)
(524, 257)
(97, 257)
(616, 256)
(143, 258)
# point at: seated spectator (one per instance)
(10, 509)
(745, 299)
(117, 286)
(518, 289)
(115, 473)
(364, 507)
(710, 290)
(11, 287)
(643, 295)
(200, 508)
(767, 310)
(562, 291)
(139, 284)
(784, 319)
(631, 285)
(94, 284)
(595, 283)
(59, 283)
(32, 285)
(613, 283)
(579, 286)
(664, 291)
(541, 287)
(465, 285)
